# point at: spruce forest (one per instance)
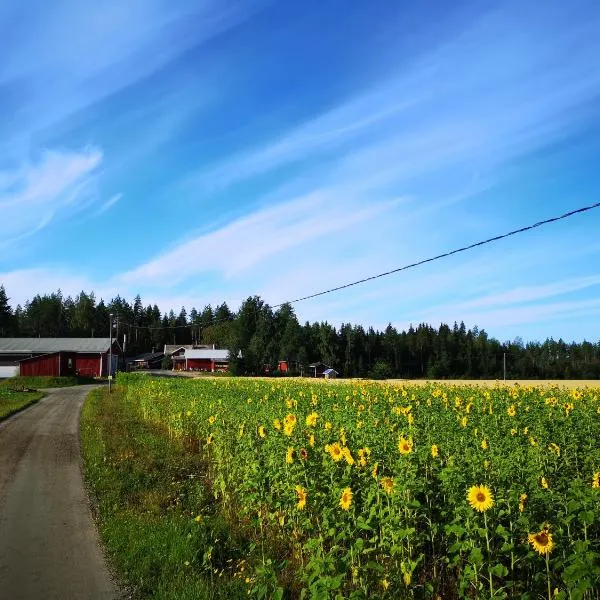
(266, 335)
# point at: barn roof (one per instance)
(208, 353)
(170, 348)
(47, 345)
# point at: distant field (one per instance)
(567, 383)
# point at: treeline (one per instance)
(265, 336)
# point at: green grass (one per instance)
(34, 383)
(12, 401)
(148, 489)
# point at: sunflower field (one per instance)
(374, 490)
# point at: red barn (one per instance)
(206, 359)
(60, 356)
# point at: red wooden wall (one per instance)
(41, 365)
(88, 364)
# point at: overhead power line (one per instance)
(445, 254)
(424, 261)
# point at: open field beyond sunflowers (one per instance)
(303, 489)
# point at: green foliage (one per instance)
(12, 401)
(40, 382)
(156, 518)
(408, 530)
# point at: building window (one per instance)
(70, 363)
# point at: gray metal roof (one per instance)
(45, 345)
(208, 354)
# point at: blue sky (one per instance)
(204, 151)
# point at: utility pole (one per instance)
(110, 326)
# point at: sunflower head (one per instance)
(405, 446)
(335, 451)
(387, 483)
(262, 432)
(277, 424)
(301, 493)
(303, 454)
(434, 451)
(596, 480)
(289, 455)
(311, 420)
(346, 498)
(480, 497)
(542, 542)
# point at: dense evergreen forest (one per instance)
(266, 336)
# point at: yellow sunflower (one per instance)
(289, 455)
(303, 454)
(262, 432)
(544, 483)
(554, 448)
(335, 451)
(484, 445)
(212, 419)
(435, 451)
(288, 429)
(405, 446)
(480, 497)
(346, 499)
(348, 455)
(277, 424)
(328, 426)
(311, 420)
(511, 410)
(522, 501)
(290, 420)
(363, 456)
(542, 542)
(301, 492)
(387, 483)
(374, 470)
(596, 480)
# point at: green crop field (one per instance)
(305, 489)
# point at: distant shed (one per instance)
(206, 359)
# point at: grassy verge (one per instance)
(156, 513)
(34, 383)
(12, 401)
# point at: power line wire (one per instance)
(446, 254)
(496, 238)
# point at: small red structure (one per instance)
(206, 359)
(61, 356)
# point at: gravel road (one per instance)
(48, 543)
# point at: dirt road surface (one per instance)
(48, 543)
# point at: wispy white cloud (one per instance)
(251, 240)
(108, 204)
(476, 101)
(67, 58)
(36, 193)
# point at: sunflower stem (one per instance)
(487, 542)
(548, 575)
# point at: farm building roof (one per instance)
(207, 353)
(146, 356)
(47, 345)
(170, 348)
(330, 371)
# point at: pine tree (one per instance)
(6, 316)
